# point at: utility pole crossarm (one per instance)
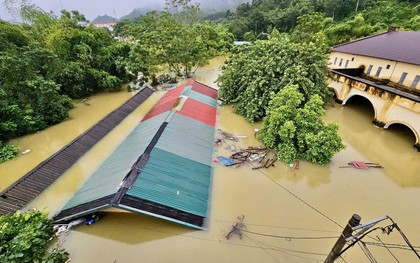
(365, 227)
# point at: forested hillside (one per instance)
(343, 19)
(208, 7)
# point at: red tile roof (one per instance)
(403, 46)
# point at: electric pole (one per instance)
(335, 251)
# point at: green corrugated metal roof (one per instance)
(202, 98)
(188, 138)
(174, 181)
(175, 174)
(109, 175)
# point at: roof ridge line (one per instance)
(205, 85)
(361, 39)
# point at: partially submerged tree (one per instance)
(47, 61)
(255, 72)
(296, 129)
(176, 38)
(25, 237)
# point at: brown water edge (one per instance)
(63, 189)
(45, 143)
(262, 198)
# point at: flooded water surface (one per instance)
(290, 216)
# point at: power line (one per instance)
(388, 250)
(367, 252)
(270, 247)
(394, 246)
(345, 261)
(288, 238)
(300, 199)
(404, 237)
(284, 227)
(285, 250)
(294, 195)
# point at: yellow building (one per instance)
(385, 70)
(393, 56)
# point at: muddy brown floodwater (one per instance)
(313, 202)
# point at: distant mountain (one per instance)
(104, 18)
(214, 6)
(208, 7)
(139, 12)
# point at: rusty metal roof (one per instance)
(402, 46)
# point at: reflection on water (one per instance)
(392, 148)
(308, 202)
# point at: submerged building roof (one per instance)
(402, 46)
(163, 167)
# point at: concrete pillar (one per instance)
(382, 116)
(345, 90)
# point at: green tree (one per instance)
(46, 61)
(296, 129)
(7, 152)
(182, 44)
(254, 72)
(350, 30)
(24, 237)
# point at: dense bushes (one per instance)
(25, 237)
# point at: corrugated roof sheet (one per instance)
(163, 168)
(168, 100)
(403, 46)
(203, 98)
(203, 89)
(174, 181)
(199, 111)
(188, 138)
(106, 179)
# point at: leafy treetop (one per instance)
(296, 129)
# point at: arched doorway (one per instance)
(404, 132)
(361, 105)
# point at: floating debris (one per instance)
(84, 101)
(64, 228)
(90, 219)
(256, 132)
(293, 166)
(230, 136)
(362, 165)
(264, 156)
(236, 228)
(223, 160)
(26, 151)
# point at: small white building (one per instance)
(109, 25)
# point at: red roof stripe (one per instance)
(204, 89)
(192, 108)
(163, 107)
(199, 111)
(166, 102)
